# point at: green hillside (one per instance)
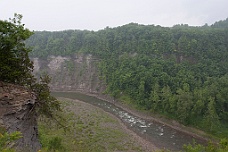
(180, 72)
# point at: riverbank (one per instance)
(137, 140)
(194, 132)
(153, 117)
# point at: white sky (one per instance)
(55, 15)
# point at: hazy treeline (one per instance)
(180, 72)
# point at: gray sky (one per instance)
(55, 15)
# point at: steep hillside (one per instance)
(72, 73)
(179, 72)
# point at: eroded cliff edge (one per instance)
(78, 73)
(16, 114)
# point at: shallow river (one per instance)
(159, 134)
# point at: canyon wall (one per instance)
(78, 73)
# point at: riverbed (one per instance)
(161, 135)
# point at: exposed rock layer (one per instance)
(16, 114)
(74, 73)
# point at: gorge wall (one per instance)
(16, 106)
(78, 73)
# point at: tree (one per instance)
(211, 117)
(184, 103)
(155, 98)
(167, 101)
(15, 65)
(47, 104)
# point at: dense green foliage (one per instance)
(15, 66)
(222, 147)
(180, 72)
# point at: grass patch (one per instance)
(89, 130)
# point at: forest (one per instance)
(180, 72)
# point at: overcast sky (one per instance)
(55, 15)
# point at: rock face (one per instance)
(74, 73)
(16, 114)
(78, 73)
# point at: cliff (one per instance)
(16, 114)
(77, 73)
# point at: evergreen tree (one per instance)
(211, 116)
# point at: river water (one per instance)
(159, 134)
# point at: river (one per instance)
(161, 135)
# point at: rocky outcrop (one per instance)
(16, 114)
(74, 73)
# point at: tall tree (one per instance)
(15, 65)
(211, 117)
